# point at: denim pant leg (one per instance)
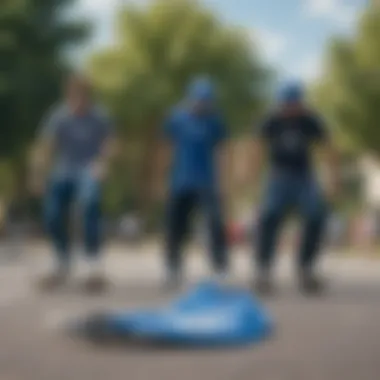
(313, 209)
(89, 198)
(179, 208)
(278, 198)
(212, 208)
(57, 204)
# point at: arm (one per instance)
(108, 153)
(109, 149)
(42, 152)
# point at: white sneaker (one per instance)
(54, 280)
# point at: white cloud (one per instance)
(270, 43)
(308, 69)
(98, 6)
(321, 8)
(102, 14)
(342, 13)
(101, 7)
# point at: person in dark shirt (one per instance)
(289, 136)
(195, 132)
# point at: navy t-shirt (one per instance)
(290, 140)
(195, 139)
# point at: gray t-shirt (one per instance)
(77, 140)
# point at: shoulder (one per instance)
(53, 120)
(177, 115)
(55, 117)
(58, 111)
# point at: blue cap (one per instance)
(291, 93)
(201, 89)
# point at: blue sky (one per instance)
(291, 34)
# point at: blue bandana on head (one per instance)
(201, 89)
(291, 93)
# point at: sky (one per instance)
(291, 34)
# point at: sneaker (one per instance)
(53, 281)
(95, 284)
(311, 284)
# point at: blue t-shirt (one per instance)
(290, 141)
(195, 139)
(77, 140)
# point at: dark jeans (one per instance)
(283, 193)
(180, 209)
(61, 195)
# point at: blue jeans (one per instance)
(283, 193)
(61, 194)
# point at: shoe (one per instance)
(53, 281)
(311, 284)
(263, 284)
(95, 284)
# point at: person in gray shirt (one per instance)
(75, 137)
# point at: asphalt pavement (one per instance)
(333, 337)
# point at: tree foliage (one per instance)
(349, 93)
(33, 36)
(157, 51)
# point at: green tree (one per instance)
(33, 37)
(158, 50)
(349, 93)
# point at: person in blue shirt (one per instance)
(289, 136)
(196, 133)
(76, 137)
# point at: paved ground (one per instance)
(337, 337)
